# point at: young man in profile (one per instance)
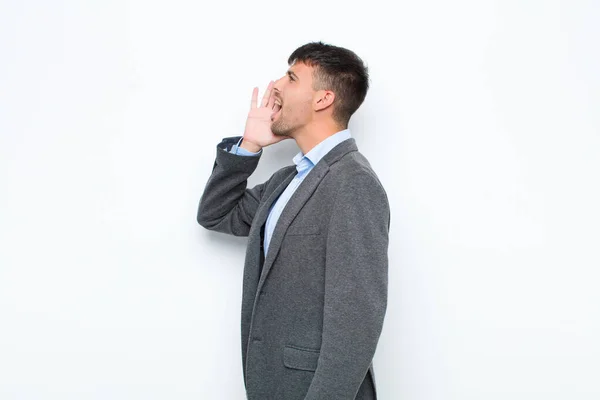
(315, 275)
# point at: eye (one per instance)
(291, 79)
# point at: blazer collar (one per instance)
(298, 199)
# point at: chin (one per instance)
(282, 132)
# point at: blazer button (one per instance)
(256, 339)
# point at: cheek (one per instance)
(306, 106)
(299, 106)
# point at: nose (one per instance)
(279, 84)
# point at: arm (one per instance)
(226, 205)
(356, 270)
(240, 151)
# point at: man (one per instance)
(315, 275)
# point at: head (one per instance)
(323, 87)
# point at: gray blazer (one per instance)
(313, 310)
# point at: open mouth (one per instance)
(277, 109)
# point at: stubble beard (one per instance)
(280, 128)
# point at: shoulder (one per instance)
(354, 171)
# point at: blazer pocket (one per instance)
(304, 230)
(299, 358)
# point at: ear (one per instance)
(323, 99)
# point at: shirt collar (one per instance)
(318, 152)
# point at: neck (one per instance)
(313, 134)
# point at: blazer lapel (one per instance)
(263, 212)
(297, 201)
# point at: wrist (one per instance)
(254, 148)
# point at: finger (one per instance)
(254, 98)
(271, 102)
(265, 99)
(267, 94)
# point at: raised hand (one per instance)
(257, 133)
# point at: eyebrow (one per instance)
(291, 73)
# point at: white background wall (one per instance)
(482, 123)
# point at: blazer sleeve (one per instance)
(356, 281)
(226, 205)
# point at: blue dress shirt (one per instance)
(304, 164)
